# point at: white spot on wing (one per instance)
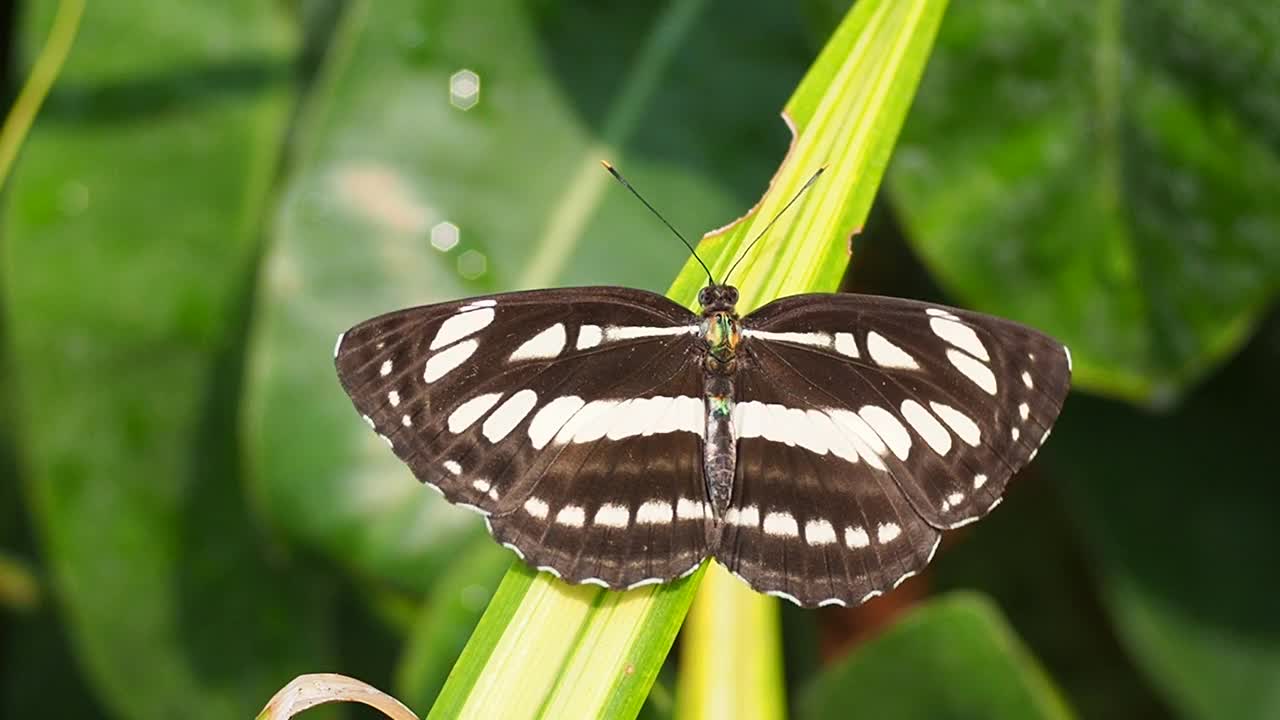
(856, 537)
(975, 370)
(809, 429)
(615, 333)
(905, 576)
(785, 596)
(589, 336)
(654, 512)
(815, 339)
(572, 516)
(385, 370)
(615, 516)
(453, 467)
(887, 532)
(886, 354)
(1024, 411)
(942, 313)
(892, 432)
(461, 325)
(646, 581)
(961, 424)
(480, 485)
(781, 524)
(536, 508)
(687, 509)
(477, 304)
(846, 344)
(960, 335)
(1015, 434)
(509, 414)
(1026, 380)
(1066, 350)
(620, 419)
(393, 397)
(546, 344)
(553, 416)
(470, 411)
(406, 421)
(337, 346)
(819, 532)
(870, 446)
(588, 424)
(979, 480)
(924, 423)
(441, 363)
(748, 516)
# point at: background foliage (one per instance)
(211, 186)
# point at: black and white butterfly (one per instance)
(605, 443)
(816, 447)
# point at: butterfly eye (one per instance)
(705, 296)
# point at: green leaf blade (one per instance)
(849, 109)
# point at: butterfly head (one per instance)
(718, 298)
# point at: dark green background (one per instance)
(214, 189)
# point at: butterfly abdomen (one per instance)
(721, 448)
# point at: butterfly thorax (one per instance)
(721, 334)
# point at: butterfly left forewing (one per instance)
(561, 415)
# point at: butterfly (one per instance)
(817, 447)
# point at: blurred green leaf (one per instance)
(385, 158)
(1027, 559)
(19, 589)
(952, 658)
(41, 678)
(596, 652)
(446, 620)
(1107, 172)
(129, 247)
(1180, 514)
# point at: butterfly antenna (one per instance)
(618, 176)
(781, 212)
